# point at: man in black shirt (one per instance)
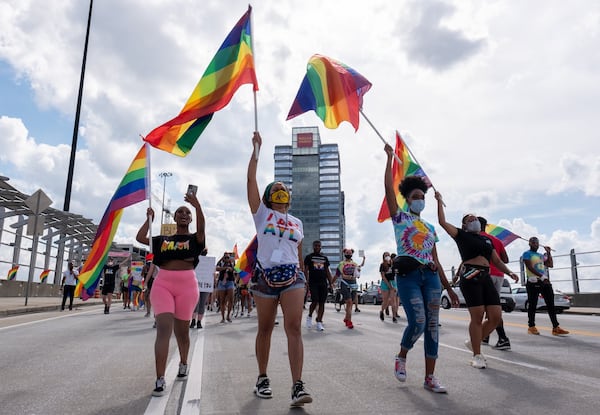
(316, 266)
(110, 271)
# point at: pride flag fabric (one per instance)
(232, 66)
(399, 172)
(44, 275)
(245, 264)
(132, 189)
(501, 233)
(12, 273)
(333, 90)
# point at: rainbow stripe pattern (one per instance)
(501, 233)
(245, 264)
(12, 273)
(132, 189)
(399, 172)
(333, 90)
(44, 275)
(232, 66)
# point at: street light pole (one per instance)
(164, 175)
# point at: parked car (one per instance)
(371, 295)
(506, 298)
(562, 301)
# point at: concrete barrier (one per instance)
(585, 300)
(36, 289)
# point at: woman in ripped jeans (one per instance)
(419, 274)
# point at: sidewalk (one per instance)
(16, 305)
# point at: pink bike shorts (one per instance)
(175, 292)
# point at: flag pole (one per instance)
(149, 190)
(256, 149)
(378, 134)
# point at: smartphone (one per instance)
(192, 189)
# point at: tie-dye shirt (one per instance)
(414, 237)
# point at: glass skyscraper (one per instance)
(312, 172)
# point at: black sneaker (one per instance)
(381, 317)
(198, 325)
(262, 389)
(183, 372)
(299, 395)
(193, 323)
(503, 344)
(160, 387)
(486, 340)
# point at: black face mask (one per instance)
(348, 256)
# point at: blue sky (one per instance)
(498, 100)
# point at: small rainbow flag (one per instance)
(408, 168)
(12, 273)
(44, 275)
(245, 265)
(132, 189)
(333, 90)
(232, 66)
(501, 233)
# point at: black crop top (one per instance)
(471, 245)
(185, 247)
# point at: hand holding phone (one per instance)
(192, 189)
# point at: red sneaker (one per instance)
(349, 324)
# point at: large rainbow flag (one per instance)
(331, 89)
(501, 233)
(399, 172)
(132, 189)
(44, 275)
(232, 66)
(245, 264)
(12, 273)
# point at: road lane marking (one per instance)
(64, 315)
(193, 387)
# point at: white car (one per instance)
(506, 298)
(562, 301)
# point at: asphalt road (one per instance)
(85, 362)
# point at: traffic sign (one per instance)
(38, 202)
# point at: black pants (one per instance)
(534, 289)
(68, 291)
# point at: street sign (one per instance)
(35, 226)
(38, 202)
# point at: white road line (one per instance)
(193, 387)
(158, 404)
(66, 314)
(488, 357)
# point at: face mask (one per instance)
(417, 206)
(348, 256)
(280, 196)
(387, 258)
(474, 226)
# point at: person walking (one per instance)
(538, 282)
(226, 285)
(150, 272)
(110, 272)
(125, 289)
(278, 278)
(389, 290)
(318, 276)
(200, 308)
(348, 286)
(68, 284)
(419, 274)
(175, 290)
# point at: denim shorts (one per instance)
(225, 285)
(262, 289)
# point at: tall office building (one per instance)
(312, 172)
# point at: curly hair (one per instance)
(410, 183)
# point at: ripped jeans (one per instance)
(420, 292)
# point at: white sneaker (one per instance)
(309, 322)
(469, 346)
(478, 362)
(400, 368)
(320, 326)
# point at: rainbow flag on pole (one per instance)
(333, 90)
(501, 233)
(132, 189)
(12, 273)
(232, 66)
(245, 264)
(399, 172)
(44, 275)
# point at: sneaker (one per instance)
(263, 388)
(533, 330)
(400, 368)
(154, 325)
(394, 320)
(183, 372)
(198, 325)
(387, 311)
(193, 323)
(356, 310)
(349, 324)
(320, 326)
(381, 317)
(557, 331)
(242, 314)
(486, 341)
(309, 322)
(228, 320)
(433, 384)
(503, 344)
(159, 387)
(299, 395)
(478, 362)
(468, 345)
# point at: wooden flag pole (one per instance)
(148, 191)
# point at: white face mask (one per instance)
(387, 258)
(474, 226)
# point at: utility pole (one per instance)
(164, 175)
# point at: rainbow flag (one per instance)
(408, 168)
(331, 89)
(232, 66)
(12, 273)
(44, 275)
(245, 264)
(132, 189)
(501, 233)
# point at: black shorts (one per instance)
(108, 289)
(348, 289)
(318, 293)
(477, 287)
